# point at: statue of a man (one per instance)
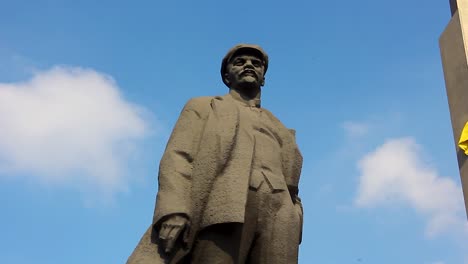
(228, 179)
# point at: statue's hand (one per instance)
(300, 212)
(170, 231)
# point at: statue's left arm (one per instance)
(293, 186)
(300, 212)
(292, 164)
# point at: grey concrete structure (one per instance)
(453, 47)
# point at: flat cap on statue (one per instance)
(239, 48)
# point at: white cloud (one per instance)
(68, 126)
(395, 174)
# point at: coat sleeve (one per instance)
(175, 168)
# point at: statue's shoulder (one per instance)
(272, 116)
(278, 122)
(199, 102)
(200, 105)
(205, 101)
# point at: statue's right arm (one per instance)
(175, 171)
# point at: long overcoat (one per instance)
(200, 173)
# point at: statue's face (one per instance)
(245, 71)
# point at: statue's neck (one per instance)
(249, 99)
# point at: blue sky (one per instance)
(90, 90)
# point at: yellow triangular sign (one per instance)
(463, 142)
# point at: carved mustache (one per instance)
(249, 71)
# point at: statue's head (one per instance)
(244, 67)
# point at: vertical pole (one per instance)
(454, 50)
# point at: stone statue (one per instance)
(228, 179)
